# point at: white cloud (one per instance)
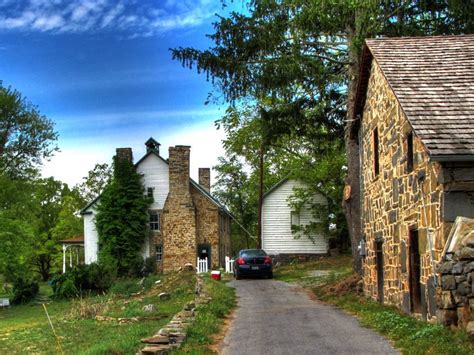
(75, 160)
(129, 18)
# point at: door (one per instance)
(415, 273)
(204, 251)
(379, 265)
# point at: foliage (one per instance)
(18, 226)
(57, 219)
(83, 279)
(122, 218)
(26, 136)
(95, 181)
(24, 290)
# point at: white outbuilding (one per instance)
(278, 216)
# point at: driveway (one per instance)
(274, 317)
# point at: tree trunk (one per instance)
(351, 206)
(260, 197)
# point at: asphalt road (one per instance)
(274, 317)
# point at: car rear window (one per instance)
(256, 252)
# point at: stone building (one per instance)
(185, 221)
(414, 118)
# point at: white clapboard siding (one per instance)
(277, 237)
(91, 238)
(155, 175)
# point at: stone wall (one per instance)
(396, 200)
(179, 215)
(207, 224)
(455, 298)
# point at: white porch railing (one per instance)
(229, 265)
(202, 265)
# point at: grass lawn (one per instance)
(409, 335)
(25, 328)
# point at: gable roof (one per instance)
(191, 181)
(433, 81)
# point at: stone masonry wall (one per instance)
(179, 213)
(207, 224)
(396, 200)
(455, 298)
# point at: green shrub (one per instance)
(67, 289)
(83, 278)
(24, 290)
(136, 267)
(150, 266)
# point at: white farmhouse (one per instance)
(278, 217)
(185, 220)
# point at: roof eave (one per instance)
(453, 158)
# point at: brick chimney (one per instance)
(179, 214)
(124, 154)
(205, 178)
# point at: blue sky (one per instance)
(102, 71)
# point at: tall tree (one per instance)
(305, 54)
(122, 217)
(94, 183)
(51, 198)
(17, 226)
(26, 136)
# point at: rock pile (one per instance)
(455, 297)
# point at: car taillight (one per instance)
(241, 261)
(268, 260)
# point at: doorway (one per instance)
(379, 265)
(204, 251)
(415, 273)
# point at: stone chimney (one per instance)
(152, 145)
(179, 214)
(124, 154)
(205, 178)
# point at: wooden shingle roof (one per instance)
(433, 80)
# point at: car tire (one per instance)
(237, 276)
(270, 275)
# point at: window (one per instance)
(154, 220)
(376, 152)
(410, 153)
(295, 218)
(159, 252)
(149, 192)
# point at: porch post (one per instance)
(64, 258)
